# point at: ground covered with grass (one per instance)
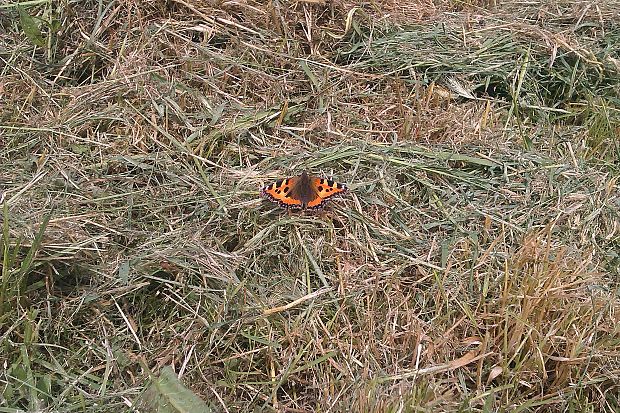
(472, 267)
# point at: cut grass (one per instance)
(472, 268)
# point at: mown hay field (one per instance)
(473, 265)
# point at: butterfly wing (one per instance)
(325, 189)
(281, 192)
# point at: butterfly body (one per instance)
(303, 191)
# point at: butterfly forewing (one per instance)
(327, 188)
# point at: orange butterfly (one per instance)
(303, 191)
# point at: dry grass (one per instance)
(473, 267)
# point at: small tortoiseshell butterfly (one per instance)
(303, 191)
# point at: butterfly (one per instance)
(303, 191)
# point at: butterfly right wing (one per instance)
(326, 188)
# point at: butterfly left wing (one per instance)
(281, 193)
(325, 189)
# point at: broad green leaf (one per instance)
(167, 394)
(30, 27)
